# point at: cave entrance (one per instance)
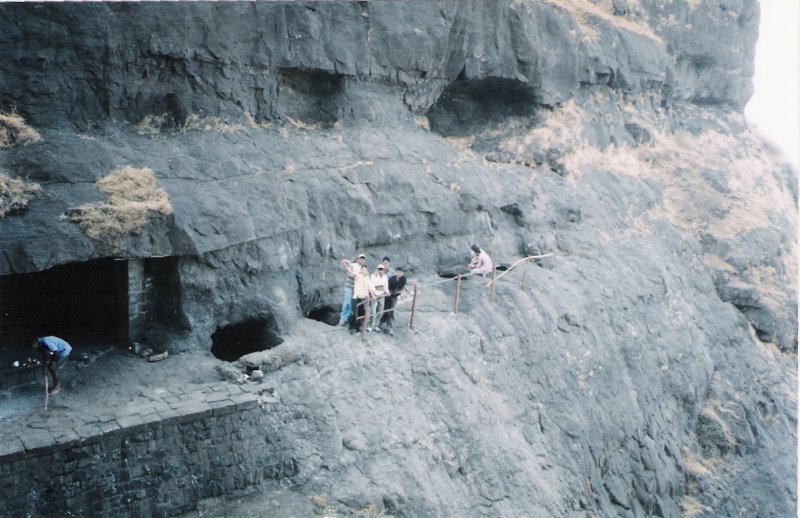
(470, 106)
(326, 314)
(311, 96)
(231, 342)
(85, 303)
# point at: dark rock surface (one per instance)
(648, 369)
(291, 59)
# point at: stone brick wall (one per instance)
(139, 288)
(148, 466)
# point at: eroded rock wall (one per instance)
(87, 64)
(647, 369)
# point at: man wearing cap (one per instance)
(378, 290)
(360, 299)
(350, 270)
(397, 283)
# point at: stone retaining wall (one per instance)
(147, 465)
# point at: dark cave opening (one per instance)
(467, 275)
(310, 96)
(325, 314)
(467, 106)
(84, 303)
(231, 342)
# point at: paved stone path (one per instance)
(119, 390)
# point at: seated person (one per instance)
(481, 263)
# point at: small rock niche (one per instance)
(231, 342)
(326, 314)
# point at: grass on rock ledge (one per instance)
(15, 194)
(132, 198)
(15, 132)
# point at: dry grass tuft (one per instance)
(157, 124)
(211, 124)
(132, 198)
(319, 501)
(462, 143)
(694, 4)
(15, 194)
(303, 125)
(322, 508)
(560, 128)
(718, 427)
(691, 506)
(696, 469)
(371, 511)
(693, 466)
(721, 182)
(583, 11)
(422, 122)
(253, 123)
(717, 263)
(15, 132)
(683, 163)
(151, 124)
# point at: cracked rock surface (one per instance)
(648, 368)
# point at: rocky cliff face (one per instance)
(648, 368)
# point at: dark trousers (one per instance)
(387, 320)
(357, 317)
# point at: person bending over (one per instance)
(54, 352)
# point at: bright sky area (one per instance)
(775, 105)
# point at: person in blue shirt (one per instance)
(54, 352)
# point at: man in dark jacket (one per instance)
(397, 283)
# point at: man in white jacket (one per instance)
(378, 290)
(350, 271)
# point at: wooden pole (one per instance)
(458, 294)
(46, 395)
(491, 293)
(525, 274)
(366, 317)
(515, 264)
(413, 308)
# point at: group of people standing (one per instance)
(380, 290)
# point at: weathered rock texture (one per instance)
(647, 369)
